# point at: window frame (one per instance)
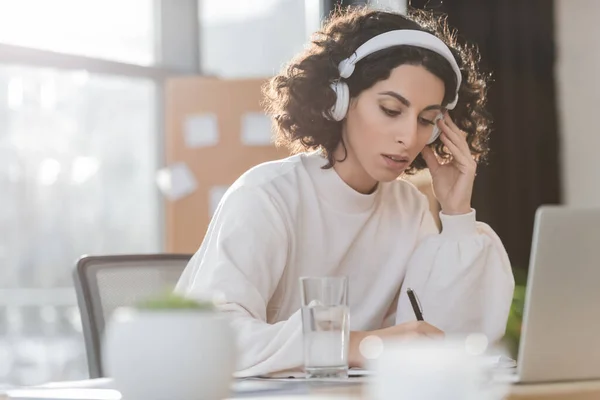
(176, 27)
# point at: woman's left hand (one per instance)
(453, 180)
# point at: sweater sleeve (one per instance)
(462, 277)
(241, 261)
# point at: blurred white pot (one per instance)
(170, 354)
(430, 370)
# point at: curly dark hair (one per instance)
(300, 95)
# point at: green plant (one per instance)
(172, 301)
(515, 316)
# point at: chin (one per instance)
(386, 176)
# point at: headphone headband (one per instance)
(407, 37)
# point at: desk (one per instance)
(554, 391)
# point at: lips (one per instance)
(396, 157)
(395, 162)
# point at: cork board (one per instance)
(214, 166)
(218, 161)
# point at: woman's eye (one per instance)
(425, 121)
(388, 112)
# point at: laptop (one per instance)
(560, 339)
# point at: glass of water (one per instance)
(326, 326)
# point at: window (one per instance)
(248, 39)
(241, 38)
(80, 144)
(109, 29)
(77, 157)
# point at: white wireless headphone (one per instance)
(401, 37)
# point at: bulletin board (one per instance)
(215, 131)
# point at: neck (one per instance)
(351, 171)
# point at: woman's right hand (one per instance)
(407, 330)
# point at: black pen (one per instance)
(414, 304)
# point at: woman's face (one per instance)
(388, 125)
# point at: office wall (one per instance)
(578, 85)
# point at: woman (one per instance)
(359, 115)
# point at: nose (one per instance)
(406, 132)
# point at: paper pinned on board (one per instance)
(201, 130)
(176, 181)
(256, 129)
(215, 194)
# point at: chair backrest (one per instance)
(105, 283)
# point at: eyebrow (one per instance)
(405, 101)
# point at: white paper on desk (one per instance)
(256, 129)
(200, 130)
(93, 383)
(176, 181)
(497, 361)
(215, 194)
(357, 375)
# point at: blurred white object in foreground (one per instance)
(431, 370)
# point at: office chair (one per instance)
(105, 283)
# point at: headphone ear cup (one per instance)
(342, 100)
(434, 134)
